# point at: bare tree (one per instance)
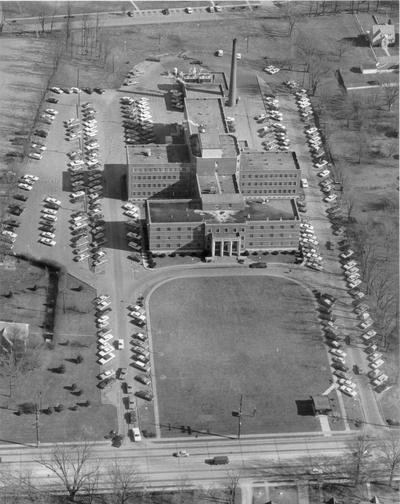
(391, 95)
(360, 449)
(42, 20)
(389, 449)
(342, 47)
(16, 361)
(124, 482)
(72, 466)
(52, 20)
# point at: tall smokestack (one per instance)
(232, 82)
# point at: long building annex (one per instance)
(206, 191)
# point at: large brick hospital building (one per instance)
(207, 191)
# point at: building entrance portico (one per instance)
(225, 247)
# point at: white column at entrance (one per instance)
(213, 248)
(222, 248)
(230, 247)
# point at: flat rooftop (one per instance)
(151, 154)
(229, 146)
(255, 160)
(183, 211)
(203, 90)
(205, 112)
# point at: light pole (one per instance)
(37, 416)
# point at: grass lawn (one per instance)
(217, 338)
(74, 335)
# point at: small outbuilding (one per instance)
(321, 405)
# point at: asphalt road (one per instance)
(118, 18)
(251, 457)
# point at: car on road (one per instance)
(119, 344)
(47, 241)
(121, 373)
(258, 265)
(52, 100)
(181, 453)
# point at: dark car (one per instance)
(16, 210)
(143, 379)
(258, 265)
(41, 133)
(11, 222)
(48, 228)
(99, 90)
(131, 417)
(143, 394)
(52, 100)
(104, 383)
(341, 367)
(165, 12)
(87, 90)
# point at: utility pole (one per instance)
(37, 416)
(239, 414)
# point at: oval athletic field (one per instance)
(217, 338)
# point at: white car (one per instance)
(346, 382)
(49, 211)
(374, 356)
(340, 353)
(377, 364)
(271, 70)
(341, 360)
(47, 241)
(129, 206)
(330, 198)
(354, 284)
(57, 90)
(369, 334)
(349, 265)
(24, 186)
(347, 255)
(78, 194)
(380, 379)
(77, 162)
(103, 318)
(324, 173)
(51, 111)
(35, 155)
(106, 374)
(312, 130)
(49, 217)
(120, 344)
(52, 201)
(46, 234)
(348, 390)
(132, 235)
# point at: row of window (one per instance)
(268, 175)
(178, 245)
(161, 177)
(268, 184)
(269, 191)
(273, 244)
(271, 235)
(153, 169)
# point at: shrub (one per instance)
(245, 253)
(27, 408)
(254, 253)
(79, 359)
(182, 254)
(172, 254)
(162, 254)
